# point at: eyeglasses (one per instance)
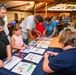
(1, 4)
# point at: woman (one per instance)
(63, 63)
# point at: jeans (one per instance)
(25, 41)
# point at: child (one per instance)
(63, 63)
(16, 40)
(5, 50)
(50, 26)
(39, 29)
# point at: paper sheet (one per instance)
(24, 68)
(47, 39)
(38, 50)
(27, 50)
(42, 46)
(33, 57)
(45, 42)
(12, 63)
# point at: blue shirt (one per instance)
(64, 63)
(50, 27)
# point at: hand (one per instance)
(23, 48)
(50, 36)
(1, 63)
(46, 55)
(52, 53)
(26, 46)
(9, 58)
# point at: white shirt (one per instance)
(28, 23)
(5, 27)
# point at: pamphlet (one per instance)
(38, 50)
(24, 68)
(33, 57)
(42, 46)
(12, 63)
(27, 50)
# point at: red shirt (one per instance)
(40, 27)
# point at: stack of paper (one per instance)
(42, 46)
(12, 63)
(33, 57)
(27, 50)
(45, 42)
(24, 68)
(38, 50)
(47, 39)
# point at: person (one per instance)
(5, 50)
(67, 29)
(50, 26)
(39, 29)
(16, 39)
(63, 63)
(3, 15)
(28, 24)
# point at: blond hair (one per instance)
(16, 28)
(68, 38)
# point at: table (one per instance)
(38, 70)
(55, 43)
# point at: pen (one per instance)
(6, 62)
(30, 67)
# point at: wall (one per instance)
(10, 15)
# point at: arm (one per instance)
(30, 34)
(37, 31)
(53, 32)
(44, 32)
(25, 45)
(46, 67)
(52, 53)
(1, 63)
(8, 49)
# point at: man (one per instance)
(28, 24)
(3, 15)
(5, 50)
(50, 26)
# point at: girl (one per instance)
(16, 40)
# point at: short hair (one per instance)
(2, 22)
(39, 18)
(17, 27)
(68, 38)
(2, 6)
(48, 18)
(67, 29)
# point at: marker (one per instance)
(30, 67)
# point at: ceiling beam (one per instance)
(23, 10)
(55, 11)
(31, 0)
(16, 6)
(43, 5)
